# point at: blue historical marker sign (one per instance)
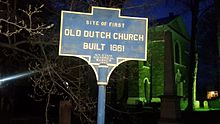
(103, 37)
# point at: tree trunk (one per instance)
(192, 54)
(65, 112)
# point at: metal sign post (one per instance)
(104, 39)
(102, 93)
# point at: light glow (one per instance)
(16, 76)
(212, 94)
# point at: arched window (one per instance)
(177, 53)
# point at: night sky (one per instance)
(154, 10)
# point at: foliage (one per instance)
(25, 36)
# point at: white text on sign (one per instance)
(103, 35)
(101, 46)
(105, 23)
